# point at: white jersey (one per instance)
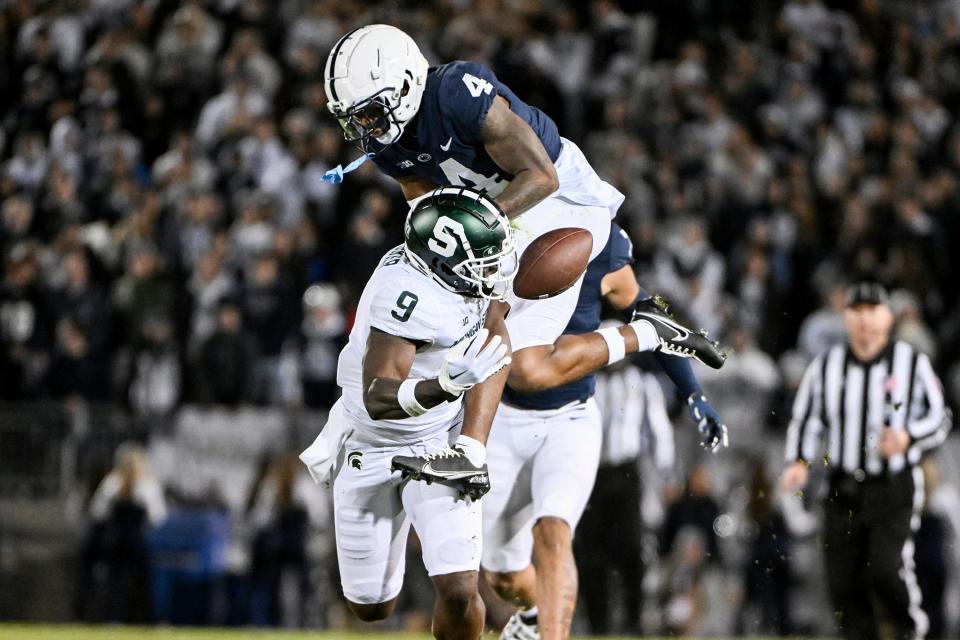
(402, 301)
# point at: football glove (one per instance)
(470, 362)
(713, 433)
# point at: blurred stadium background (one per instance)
(177, 281)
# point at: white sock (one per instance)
(475, 450)
(529, 615)
(646, 335)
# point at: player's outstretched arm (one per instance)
(572, 357)
(517, 149)
(481, 402)
(386, 365)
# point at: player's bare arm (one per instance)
(620, 288)
(515, 147)
(414, 186)
(481, 402)
(572, 357)
(386, 365)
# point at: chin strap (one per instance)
(335, 175)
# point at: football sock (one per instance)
(475, 451)
(529, 616)
(647, 337)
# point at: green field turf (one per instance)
(64, 632)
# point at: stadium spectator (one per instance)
(153, 379)
(744, 390)
(323, 335)
(128, 502)
(224, 372)
(695, 508)
(766, 565)
(280, 517)
(824, 327)
(270, 314)
(75, 372)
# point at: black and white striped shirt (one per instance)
(853, 400)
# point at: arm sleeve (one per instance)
(621, 249)
(680, 372)
(467, 92)
(927, 428)
(805, 426)
(405, 309)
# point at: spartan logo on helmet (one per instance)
(462, 239)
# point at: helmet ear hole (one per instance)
(406, 88)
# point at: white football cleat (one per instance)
(517, 629)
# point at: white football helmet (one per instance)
(374, 79)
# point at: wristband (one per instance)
(408, 400)
(616, 346)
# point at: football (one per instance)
(552, 263)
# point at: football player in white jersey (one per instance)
(418, 344)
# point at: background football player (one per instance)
(544, 447)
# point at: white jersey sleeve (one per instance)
(405, 308)
(401, 301)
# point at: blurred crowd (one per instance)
(166, 237)
(164, 220)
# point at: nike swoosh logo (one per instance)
(446, 147)
(679, 333)
(451, 475)
(457, 376)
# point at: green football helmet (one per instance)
(462, 239)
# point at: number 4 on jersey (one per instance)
(476, 85)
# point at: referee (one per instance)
(881, 407)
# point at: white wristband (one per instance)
(616, 346)
(408, 400)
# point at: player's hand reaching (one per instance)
(470, 362)
(713, 433)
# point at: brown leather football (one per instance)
(553, 263)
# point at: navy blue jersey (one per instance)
(585, 318)
(444, 144)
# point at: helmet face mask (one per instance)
(491, 276)
(462, 240)
(371, 119)
(374, 79)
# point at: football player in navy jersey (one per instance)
(456, 124)
(547, 419)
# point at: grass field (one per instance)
(66, 632)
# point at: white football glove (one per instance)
(470, 362)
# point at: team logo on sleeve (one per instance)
(355, 459)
